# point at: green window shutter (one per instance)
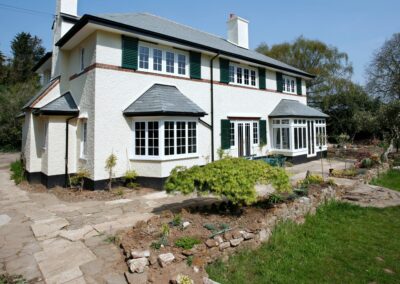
(129, 52)
(224, 70)
(298, 84)
(279, 82)
(263, 132)
(225, 134)
(195, 65)
(261, 78)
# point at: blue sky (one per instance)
(354, 26)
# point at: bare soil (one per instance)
(75, 195)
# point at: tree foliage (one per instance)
(26, 50)
(384, 70)
(315, 57)
(18, 83)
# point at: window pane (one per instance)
(304, 138)
(232, 134)
(157, 59)
(152, 129)
(296, 141)
(285, 121)
(292, 85)
(180, 137)
(170, 62)
(285, 138)
(277, 138)
(192, 137)
(181, 64)
(144, 57)
(255, 132)
(300, 131)
(239, 75)
(231, 74)
(169, 138)
(253, 77)
(140, 138)
(246, 76)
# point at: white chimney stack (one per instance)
(69, 7)
(238, 31)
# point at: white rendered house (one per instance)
(159, 94)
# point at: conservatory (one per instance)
(297, 130)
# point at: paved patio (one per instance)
(50, 241)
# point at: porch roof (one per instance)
(64, 105)
(163, 100)
(293, 108)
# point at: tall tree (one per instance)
(315, 57)
(26, 50)
(384, 70)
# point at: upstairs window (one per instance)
(242, 75)
(181, 64)
(289, 84)
(157, 59)
(82, 59)
(144, 57)
(170, 62)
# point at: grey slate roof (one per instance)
(169, 28)
(40, 92)
(293, 108)
(163, 100)
(61, 106)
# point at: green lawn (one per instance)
(341, 244)
(391, 179)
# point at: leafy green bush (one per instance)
(187, 242)
(310, 179)
(129, 179)
(233, 178)
(79, 178)
(17, 172)
(177, 220)
(367, 163)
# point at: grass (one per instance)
(342, 243)
(390, 179)
(17, 172)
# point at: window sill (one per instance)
(163, 73)
(84, 159)
(164, 158)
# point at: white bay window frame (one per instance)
(153, 65)
(161, 139)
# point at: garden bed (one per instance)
(75, 195)
(152, 248)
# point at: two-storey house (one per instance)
(159, 94)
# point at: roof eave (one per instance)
(85, 19)
(56, 113)
(42, 60)
(164, 113)
(301, 116)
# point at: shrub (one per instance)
(310, 179)
(177, 220)
(183, 279)
(233, 178)
(367, 163)
(17, 172)
(111, 162)
(79, 178)
(129, 179)
(344, 173)
(187, 242)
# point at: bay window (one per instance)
(320, 131)
(161, 139)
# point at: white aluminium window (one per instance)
(165, 60)
(83, 152)
(242, 75)
(289, 84)
(281, 134)
(300, 138)
(165, 139)
(320, 131)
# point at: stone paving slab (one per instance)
(48, 228)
